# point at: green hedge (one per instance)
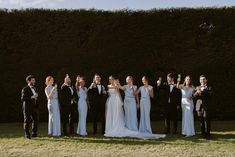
(153, 43)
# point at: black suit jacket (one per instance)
(66, 97)
(26, 94)
(174, 96)
(206, 95)
(96, 99)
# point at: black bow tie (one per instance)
(171, 84)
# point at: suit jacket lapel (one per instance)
(30, 90)
(96, 89)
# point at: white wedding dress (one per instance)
(115, 125)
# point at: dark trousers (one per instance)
(205, 126)
(98, 113)
(31, 118)
(171, 117)
(68, 118)
(168, 125)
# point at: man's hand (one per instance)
(198, 93)
(92, 85)
(34, 97)
(159, 82)
(104, 92)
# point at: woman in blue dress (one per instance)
(53, 107)
(82, 106)
(146, 92)
(130, 105)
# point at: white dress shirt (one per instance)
(33, 90)
(171, 88)
(99, 88)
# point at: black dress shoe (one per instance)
(28, 137)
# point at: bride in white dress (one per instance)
(115, 125)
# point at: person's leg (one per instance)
(103, 124)
(202, 125)
(27, 122)
(35, 116)
(167, 118)
(102, 115)
(167, 125)
(208, 125)
(71, 119)
(175, 121)
(64, 115)
(95, 119)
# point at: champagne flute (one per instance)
(67, 75)
(179, 78)
(159, 81)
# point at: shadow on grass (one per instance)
(171, 139)
(14, 131)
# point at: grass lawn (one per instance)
(222, 144)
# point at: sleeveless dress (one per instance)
(82, 111)
(187, 112)
(115, 124)
(130, 108)
(145, 107)
(54, 128)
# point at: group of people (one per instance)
(118, 117)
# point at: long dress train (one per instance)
(115, 125)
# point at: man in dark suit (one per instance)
(68, 102)
(97, 95)
(171, 100)
(203, 94)
(29, 97)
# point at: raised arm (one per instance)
(92, 85)
(120, 86)
(49, 92)
(178, 85)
